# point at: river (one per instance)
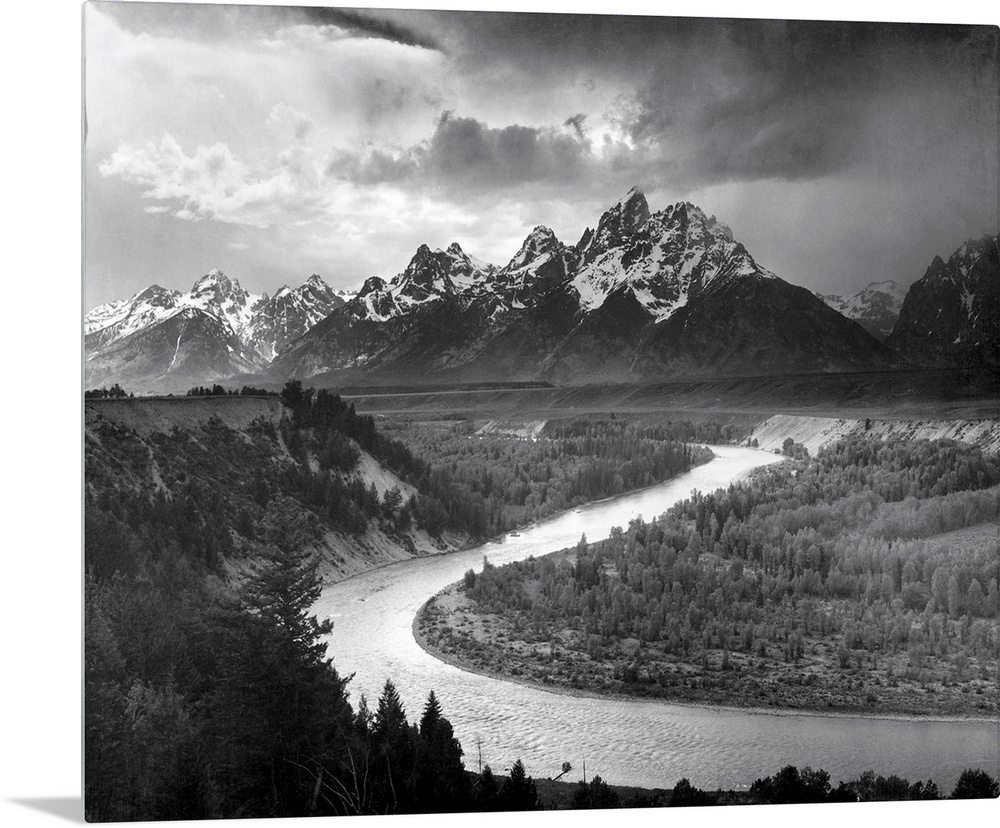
(645, 743)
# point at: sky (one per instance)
(277, 142)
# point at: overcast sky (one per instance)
(279, 142)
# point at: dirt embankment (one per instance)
(816, 432)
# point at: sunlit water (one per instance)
(646, 743)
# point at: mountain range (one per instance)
(875, 307)
(217, 330)
(953, 310)
(641, 296)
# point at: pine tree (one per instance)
(518, 792)
(487, 790)
(279, 718)
(393, 755)
(442, 784)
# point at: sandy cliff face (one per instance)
(816, 432)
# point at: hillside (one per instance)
(219, 479)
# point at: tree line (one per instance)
(837, 552)
(490, 484)
(102, 393)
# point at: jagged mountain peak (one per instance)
(372, 284)
(245, 332)
(693, 220)
(155, 294)
(953, 310)
(619, 223)
(539, 242)
(875, 307)
(317, 290)
(664, 258)
(215, 287)
(633, 201)
(214, 277)
(632, 209)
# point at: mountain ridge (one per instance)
(644, 295)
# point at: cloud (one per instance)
(466, 152)
(213, 184)
(367, 26)
(285, 118)
(576, 121)
(786, 101)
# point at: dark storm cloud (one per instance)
(215, 21)
(716, 100)
(576, 121)
(791, 101)
(373, 167)
(468, 152)
(366, 25)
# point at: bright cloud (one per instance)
(211, 183)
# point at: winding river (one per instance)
(646, 743)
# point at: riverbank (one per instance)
(376, 548)
(448, 628)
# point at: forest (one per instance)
(863, 580)
(207, 701)
(513, 481)
(208, 689)
(220, 494)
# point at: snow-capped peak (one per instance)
(875, 307)
(538, 243)
(633, 195)
(663, 258)
(617, 225)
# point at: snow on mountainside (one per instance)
(953, 311)
(541, 263)
(597, 310)
(284, 317)
(875, 307)
(116, 320)
(237, 331)
(644, 296)
(217, 294)
(429, 277)
(664, 259)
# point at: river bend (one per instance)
(646, 743)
